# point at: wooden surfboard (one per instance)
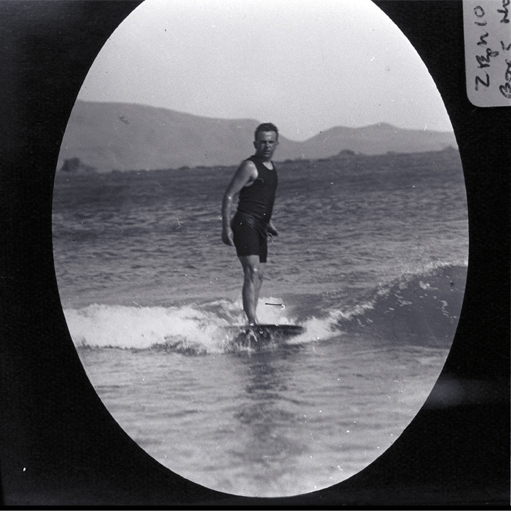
(264, 333)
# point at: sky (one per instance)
(305, 65)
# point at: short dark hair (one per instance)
(266, 127)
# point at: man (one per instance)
(255, 182)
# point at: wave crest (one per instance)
(416, 308)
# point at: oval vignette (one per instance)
(371, 262)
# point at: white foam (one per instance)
(315, 329)
(139, 327)
(199, 326)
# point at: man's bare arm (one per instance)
(244, 176)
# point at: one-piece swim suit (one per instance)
(250, 223)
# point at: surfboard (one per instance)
(264, 333)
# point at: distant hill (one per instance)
(121, 136)
(376, 139)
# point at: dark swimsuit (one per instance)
(250, 223)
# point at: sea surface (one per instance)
(371, 259)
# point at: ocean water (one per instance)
(371, 259)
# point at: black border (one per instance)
(59, 446)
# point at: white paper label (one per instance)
(487, 29)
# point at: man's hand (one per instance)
(271, 230)
(226, 237)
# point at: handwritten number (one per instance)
(479, 11)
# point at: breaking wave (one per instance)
(418, 308)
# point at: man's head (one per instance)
(266, 140)
(266, 127)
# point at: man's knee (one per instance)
(252, 273)
(251, 267)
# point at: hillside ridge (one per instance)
(126, 136)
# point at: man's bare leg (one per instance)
(259, 283)
(253, 271)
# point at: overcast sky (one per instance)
(305, 65)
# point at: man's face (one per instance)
(265, 144)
